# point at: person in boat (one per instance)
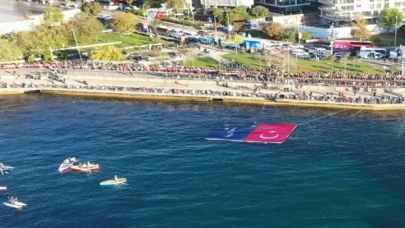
(66, 161)
(88, 164)
(13, 199)
(84, 165)
(2, 166)
(73, 159)
(115, 178)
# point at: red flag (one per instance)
(270, 133)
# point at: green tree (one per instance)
(376, 41)
(190, 57)
(123, 22)
(107, 53)
(273, 30)
(241, 9)
(235, 39)
(332, 59)
(153, 3)
(306, 36)
(289, 34)
(176, 4)
(9, 51)
(93, 8)
(53, 14)
(86, 27)
(345, 59)
(390, 17)
(260, 11)
(359, 30)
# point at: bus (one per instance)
(372, 53)
(350, 45)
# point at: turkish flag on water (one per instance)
(270, 133)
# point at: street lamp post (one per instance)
(403, 60)
(227, 16)
(215, 26)
(396, 25)
(288, 60)
(77, 45)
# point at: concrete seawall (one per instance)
(230, 100)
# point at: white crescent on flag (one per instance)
(271, 135)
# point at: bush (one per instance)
(376, 41)
(306, 36)
(93, 8)
(273, 30)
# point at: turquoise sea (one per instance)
(338, 171)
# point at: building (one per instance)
(284, 6)
(226, 3)
(338, 11)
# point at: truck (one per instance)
(255, 44)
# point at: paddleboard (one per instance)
(13, 205)
(113, 182)
(3, 188)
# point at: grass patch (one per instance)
(204, 62)
(389, 39)
(325, 66)
(127, 40)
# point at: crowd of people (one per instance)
(238, 73)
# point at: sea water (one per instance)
(333, 172)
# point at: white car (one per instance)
(296, 46)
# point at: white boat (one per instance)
(66, 164)
(114, 182)
(12, 205)
(15, 204)
(2, 188)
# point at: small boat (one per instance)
(5, 169)
(15, 204)
(3, 188)
(66, 164)
(87, 168)
(114, 182)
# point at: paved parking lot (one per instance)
(11, 10)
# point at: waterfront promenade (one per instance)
(146, 85)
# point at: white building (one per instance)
(338, 11)
(226, 3)
(284, 6)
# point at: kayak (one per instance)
(3, 188)
(87, 169)
(17, 205)
(12, 205)
(114, 182)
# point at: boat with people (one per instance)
(114, 182)
(66, 164)
(5, 169)
(14, 203)
(85, 167)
